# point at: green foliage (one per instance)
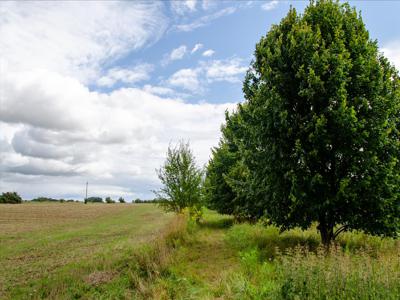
(121, 200)
(302, 274)
(94, 200)
(10, 197)
(225, 173)
(109, 200)
(292, 265)
(238, 264)
(47, 199)
(181, 179)
(319, 133)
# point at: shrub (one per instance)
(94, 200)
(10, 197)
(109, 200)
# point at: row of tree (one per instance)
(14, 198)
(317, 138)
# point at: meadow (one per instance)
(136, 251)
(69, 249)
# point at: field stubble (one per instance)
(42, 242)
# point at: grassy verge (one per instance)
(222, 260)
(216, 259)
(294, 266)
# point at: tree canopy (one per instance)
(319, 129)
(181, 179)
(10, 198)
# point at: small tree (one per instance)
(121, 200)
(10, 197)
(181, 179)
(109, 200)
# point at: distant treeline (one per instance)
(13, 197)
(145, 201)
(46, 199)
(121, 200)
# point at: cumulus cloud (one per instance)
(195, 80)
(208, 53)
(225, 70)
(392, 52)
(186, 78)
(56, 132)
(71, 131)
(133, 75)
(159, 90)
(270, 5)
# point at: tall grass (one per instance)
(293, 266)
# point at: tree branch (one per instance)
(339, 230)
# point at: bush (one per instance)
(46, 199)
(94, 200)
(109, 200)
(10, 197)
(121, 200)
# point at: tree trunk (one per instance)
(326, 232)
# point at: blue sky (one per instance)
(96, 91)
(235, 34)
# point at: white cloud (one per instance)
(183, 6)
(44, 35)
(133, 75)
(187, 79)
(205, 20)
(56, 133)
(196, 79)
(208, 53)
(115, 140)
(178, 53)
(392, 52)
(196, 47)
(208, 4)
(270, 5)
(159, 90)
(224, 70)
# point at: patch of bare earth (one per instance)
(100, 277)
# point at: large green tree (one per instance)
(322, 119)
(226, 173)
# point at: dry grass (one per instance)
(41, 241)
(35, 216)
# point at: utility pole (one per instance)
(87, 183)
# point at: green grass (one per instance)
(76, 257)
(222, 260)
(139, 252)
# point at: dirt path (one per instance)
(204, 262)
